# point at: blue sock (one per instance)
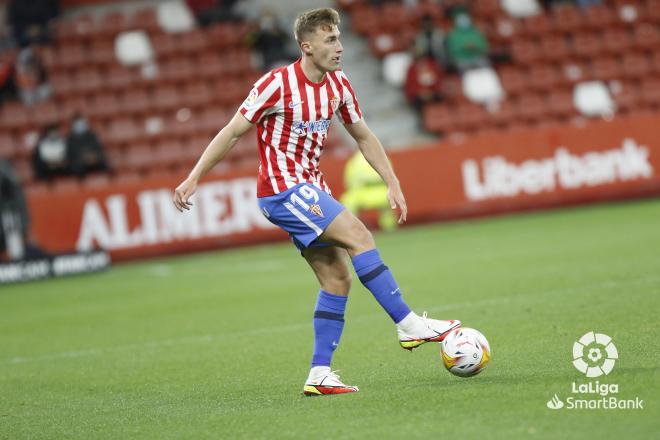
(377, 278)
(328, 325)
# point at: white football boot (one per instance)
(323, 382)
(414, 330)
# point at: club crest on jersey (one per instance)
(316, 209)
(334, 103)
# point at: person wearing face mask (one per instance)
(466, 45)
(50, 155)
(84, 149)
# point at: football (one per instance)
(465, 352)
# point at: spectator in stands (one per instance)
(30, 19)
(15, 239)
(467, 47)
(50, 155)
(271, 41)
(423, 81)
(30, 77)
(211, 11)
(84, 150)
(7, 86)
(587, 3)
(430, 41)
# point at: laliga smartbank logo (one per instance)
(594, 355)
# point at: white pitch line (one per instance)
(301, 326)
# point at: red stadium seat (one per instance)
(71, 56)
(626, 95)
(196, 94)
(165, 45)
(145, 19)
(514, 80)
(111, 24)
(44, 113)
(544, 76)
(139, 157)
(8, 145)
(105, 105)
(616, 41)
(587, 44)
(102, 51)
(135, 101)
(438, 118)
(650, 89)
(123, 130)
(168, 153)
(73, 105)
(567, 18)
(119, 78)
(599, 17)
(653, 10)
(531, 107)
(61, 83)
(194, 41)
(525, 51)
(88, 80)
(537, 25)
(504, 115)
(655, 61)
(165, 98)
(554, 48)
(646, 36)
(636, 65)
(606, 68)
(14, 116)
(560, 103)
(209, 65)
(177, 69)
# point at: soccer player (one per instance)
(292, 107)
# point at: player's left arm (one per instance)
(375, 154)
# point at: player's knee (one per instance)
(339, 284)
(362, 239)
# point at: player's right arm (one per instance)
(217, 149)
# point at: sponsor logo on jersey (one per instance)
(252, 97)
(316, 209)
(307, 127)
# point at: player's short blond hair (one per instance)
(308, 21)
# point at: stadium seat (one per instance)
(592, 98)
(111, 24)
(102, 52)
(544, 76)
(95, 181)
(139, 157)
(133, 48)
(135, 101)
(653, 10)
(118, 78)
(514, 80)
(650, 92)
(88, 80)
(105, 105)
(525, 51)
(531, 107)
(66, 184)
(587, 44)
(646, 36)
(560, 103)
(636, 65)
(598, 17)
(144, 19)
(196, 94)
(482, 86)
(168, 153)
(8, 145)
(123, 130)
(503, 115)
(438, 118)
(522, 8)
(606, 69)
(15, 116)
(165, 98)
(567, 18)
(178, 69)
(46, 112)
(61, 83)
(655, 61)
(537, 25)
(616, 41)
(73, 105)
(174, 17)
(194, 41)
(554, 48)
(71, 56)
(75, 29)
(209, 65)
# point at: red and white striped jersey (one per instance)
(293, 115)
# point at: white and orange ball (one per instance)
(465, 352)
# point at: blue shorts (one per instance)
(303, 211)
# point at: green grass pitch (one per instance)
(217, 345)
